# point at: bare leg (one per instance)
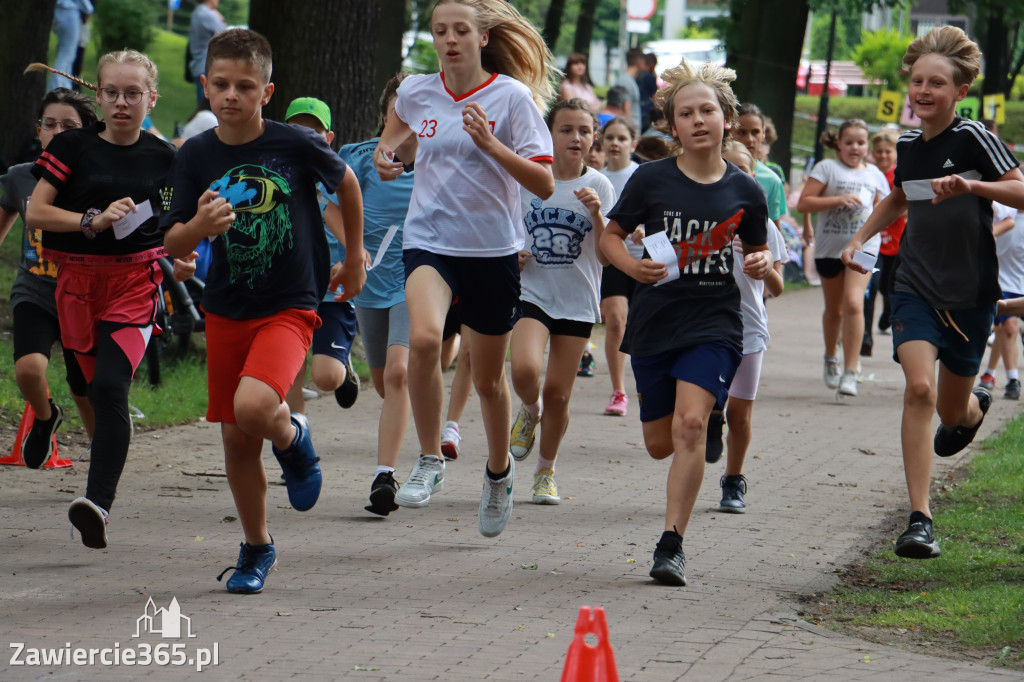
(738, 415)
(462, 384)
(294, 398)
(614, 310)
(30, 373)
(328, 372)
(917, 358)
(489, 380)
(689, 434)
(832, 317)
(428, 299)
(248, 481)
(394, 415)
(558, 383)
(854, 287)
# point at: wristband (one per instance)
(86, 223)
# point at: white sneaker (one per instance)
(450, 440)
(496, 502)
(848, 384)
(545, 491)
(427, 478)
(832, 372)
(524, 433)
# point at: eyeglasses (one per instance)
(131, 97)
(65, 124)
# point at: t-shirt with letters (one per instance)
(701, 220)
(463, 202)
(275, 256)
(563, 278)
(948, 255)
(36, 281)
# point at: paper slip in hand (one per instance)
(128, 224)
(866, 196)
(865, 260)
(921, 190)
(661, 251)
(382, 249)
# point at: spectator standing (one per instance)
(67, 24)
(647, 83)
(206, 22)
(577, 83)
(627, 79)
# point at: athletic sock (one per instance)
(381, 469)
(533, 410)
(497, 477)
(1012, 374)
(544, 464)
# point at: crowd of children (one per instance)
(488, 223)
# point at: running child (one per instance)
(685, 336)
(561, 275)
(33, 294)
(332, 340)
(743, 391)
(1008, 229)
(750, 128)
(620, 137)
(107, 279)
(843, 190)
(380, 307)
(481, 135)
(250, 185)
(948, 173)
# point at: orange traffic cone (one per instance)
(15, 458)
(590, 662)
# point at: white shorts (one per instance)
(748, 376)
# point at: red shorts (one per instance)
(270, 349)
(90, 294)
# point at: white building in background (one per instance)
(679, 13)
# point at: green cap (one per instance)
(312, 106)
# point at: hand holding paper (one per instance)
(662, 251)
(129, 223)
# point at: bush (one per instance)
(123, 23)
(880, 56)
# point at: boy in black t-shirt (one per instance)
(249, 186)
(946, 285)
(685, 336)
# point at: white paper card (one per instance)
(384, 244)
(865, 260)
(128, 224)
(918, 190)
(661, 251)
(866, 196)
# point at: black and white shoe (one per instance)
(917, 541)
(950, 440)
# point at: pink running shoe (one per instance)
(617, 405)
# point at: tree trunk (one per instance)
(553, 22)
(389, 41)
(585, 27)
(996, 47)
(765, 51)
(24, 38)
(318, 53)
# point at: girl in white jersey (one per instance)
(481, 135)
(561, 272)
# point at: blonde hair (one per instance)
(132, 58)
(886, 135)
(737, 147)
(953, 44)
(514, 47)
(716, 77)
(830, 138)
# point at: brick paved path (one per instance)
(422, 596)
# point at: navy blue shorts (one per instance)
(913, 319)
(711, 366)
(335, 336)
(1003, 318)
(487, 288)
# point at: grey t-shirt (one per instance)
(628, 82)
(36, 281)
(205, 23)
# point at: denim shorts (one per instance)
(961, 336)
(711, 366)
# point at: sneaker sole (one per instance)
(614, 413)
(382, 502)
(668, 577)
(417, 504)
(272, 567)
(519, 458)
(917, 550)
(546, 499)
(83, 518)
(450, 450)
(732, 510)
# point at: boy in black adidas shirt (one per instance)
(685, 337)
(946, 285)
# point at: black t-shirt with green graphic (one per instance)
(275, 256)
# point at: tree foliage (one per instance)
(880, 56)
(124, 23)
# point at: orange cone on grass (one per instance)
(16, 458)
(586, 662)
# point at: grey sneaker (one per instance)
(1012, 391)
(733, 490)
(669, 567)
(496, 502)
(847, 384)
(427, 478)
(524, 433)
(831, 372)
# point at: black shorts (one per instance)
(35, 330)
(829, 268)
(487, 288)
(557, 327)
(615, 282)
(452, 324)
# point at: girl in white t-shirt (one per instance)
(619, 138)
(561, 277)
(481, 135)
(844, 191)
(743, 391)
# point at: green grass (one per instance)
(973, 595)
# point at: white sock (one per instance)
(452, 425)
(1011, 374)
(832, 358)
(544, 464)
(533, 410)
(381, 469)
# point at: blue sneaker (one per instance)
(301, 467)
(254, 563)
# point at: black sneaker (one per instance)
(713, 446)
(1012, 391)
(382, 494)
(865, 347)
(38, 444)
(347, 393)
(733, 490)
(586, 365)
(669, 562)
(917, 542)
(950, 440)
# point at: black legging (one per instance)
(108, 393)
(881, 282)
